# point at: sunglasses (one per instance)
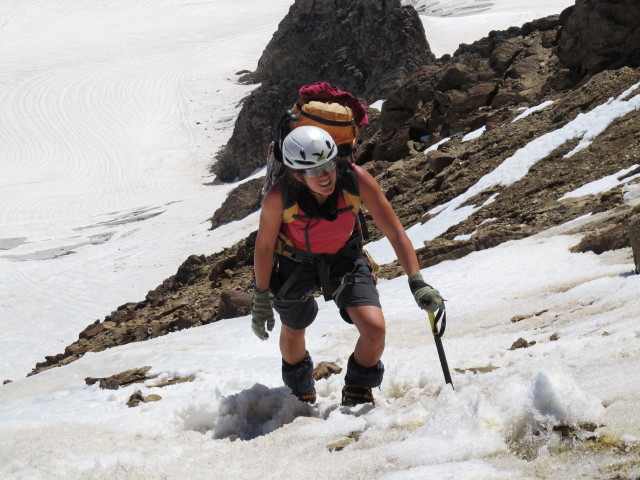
(318, 171)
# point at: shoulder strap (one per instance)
(289, 204)
(352, 194)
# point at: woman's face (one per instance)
(321, 186)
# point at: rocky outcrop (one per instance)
(480, 86)
(367, 47)
(477, 87)
(599, 34)
(242, 201)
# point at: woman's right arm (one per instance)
(270, 221)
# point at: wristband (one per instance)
(415, 276)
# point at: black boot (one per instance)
(353, 395)
(299, 378)
(359, 381)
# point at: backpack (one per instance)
(321, 105)
(335, 118)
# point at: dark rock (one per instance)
(95, 328)
(109, 384)
(376, 168)
(91, 330)
(121, 379)
(501, 58)
(189, 270)
(440, 250)
(521, 343)
(235, 304)
(485, 239)
(365, 47)
(154, 297)
(438, 161)
(140, 334)
(598, 34)
(241, 201)
(611, 238)
(325, 370)
(393, 147)
(137, 398)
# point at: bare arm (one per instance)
(387, 220)
(270, 221)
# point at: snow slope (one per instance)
(110, 113)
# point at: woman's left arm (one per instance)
(387, 220)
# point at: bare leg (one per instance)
(292, 345)
(370, 323)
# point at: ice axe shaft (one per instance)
(437, 337)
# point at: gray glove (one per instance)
(427, 297)
(262, 313)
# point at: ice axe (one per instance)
(434, 319)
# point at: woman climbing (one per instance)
(309, 240)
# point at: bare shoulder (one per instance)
(273, 197)
(361, 173)
(367, 185)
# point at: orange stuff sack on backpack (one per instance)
(335, 111)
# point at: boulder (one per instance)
(599, 34)
(241, 201)
(610, 238)
(234, 303)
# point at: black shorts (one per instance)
(298, 308)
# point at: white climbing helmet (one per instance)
(308, 147)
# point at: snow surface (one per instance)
(473, 135)
(448, 23)
(111, 112)
(528, 111)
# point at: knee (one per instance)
(291, 333)
(370, 324)
(374, 332)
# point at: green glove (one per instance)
(262, 313)
(427, 297)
